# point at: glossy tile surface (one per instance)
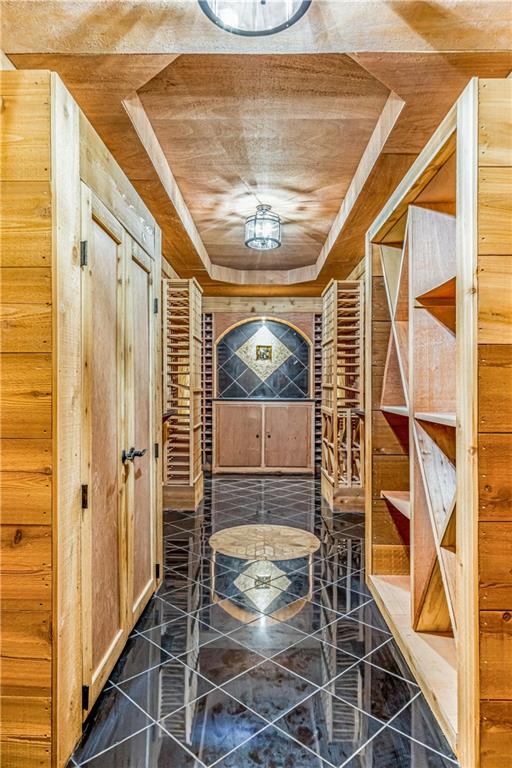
(252, 664)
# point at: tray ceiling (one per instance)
(284, 130)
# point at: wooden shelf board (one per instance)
(400, 500)
(432, 658)
(447, 419)
(397, 410)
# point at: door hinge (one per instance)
(85, 697)
(157, 450)
(157, 570)
(155, 306)
(85, 497)
(84, 255)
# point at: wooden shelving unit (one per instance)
(183, 411)
(341, 385)
(207, 373)
(317, 378)
(441, 406)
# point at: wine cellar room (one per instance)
(256, 384)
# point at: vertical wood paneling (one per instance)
(26, 421)
(495, 419)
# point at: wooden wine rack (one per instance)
(317, 377)
(207, 389)
(183, 414)
(342, 357)
(439, 421)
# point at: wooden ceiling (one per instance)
(284, 130)
(357, 89)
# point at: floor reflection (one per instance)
(255, 659)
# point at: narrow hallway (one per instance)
(280, 662)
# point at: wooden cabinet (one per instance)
(82, 371)
(263, 436)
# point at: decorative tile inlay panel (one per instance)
(263, 359)
(264, 542)
(251, 353)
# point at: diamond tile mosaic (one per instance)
(234, 665)
(263, 359)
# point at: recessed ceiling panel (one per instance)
(285, 130)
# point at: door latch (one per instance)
(132, 454)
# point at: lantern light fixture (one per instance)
(263, 229)
(253, 18)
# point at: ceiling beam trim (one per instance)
(140, 121)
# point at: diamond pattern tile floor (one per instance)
(220, 673)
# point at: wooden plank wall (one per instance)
(494, 424)
(26, 419)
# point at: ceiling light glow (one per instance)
(263, 229)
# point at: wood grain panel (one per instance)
(102, 362)
(495, 299)
(495, 123)
(494, 390)
(495, 476)
(391, 434)
(30, 285)
(25, 634)
(224, 320)
(391, 558)
(288, 436)
(25, 481)
(25, 327)
(247, 156)
(143, 500)
(26, 727)
(389, 526)
(495, 211)
(238, 435)
(25, 126)
(25, 224)
(26, 567)
(495, 565)
(495, 733)
(495, 654)
(25, 398)
(390, 473)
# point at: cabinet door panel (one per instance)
(103, 529)
(139, 404)
(238, 435)
(288, 436)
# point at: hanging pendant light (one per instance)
(254, 17)
(263, 229)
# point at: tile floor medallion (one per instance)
(265, 652)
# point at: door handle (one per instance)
(268, 434)
(132, 454)
(257, 435)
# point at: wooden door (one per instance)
(103, 534)
(238, 435)
(288, 436)
(140, 324)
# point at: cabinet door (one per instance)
(103, 534)
(238, 435)
(288, 436)
(140, 359)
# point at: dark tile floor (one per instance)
(209, 679)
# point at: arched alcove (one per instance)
(263, 359)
